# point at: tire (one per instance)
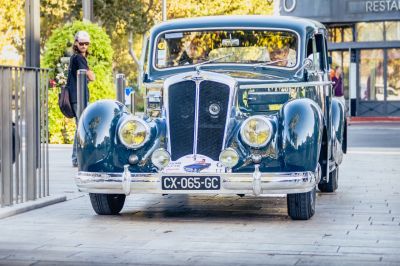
(301, 206)
(332, 185)
(107, 204)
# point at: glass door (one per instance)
(379, 82)
(342, 59)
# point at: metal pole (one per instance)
(120, 80)
(87, 6)
(32, 33)
(164, 10)
(6, 139)
(31, 133)
(82, 91)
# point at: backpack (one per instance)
(65, 104)
(64, 101)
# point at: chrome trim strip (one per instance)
(268, 92)
(285, 85)
(154, 41)
(232, 94)
(166, 108)
(196, 116)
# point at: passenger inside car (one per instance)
(284, 55)
(193, 53)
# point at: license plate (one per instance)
(191, 182)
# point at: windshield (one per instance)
(186, 48)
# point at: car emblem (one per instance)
(214, 109)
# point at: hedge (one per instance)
(59, 46)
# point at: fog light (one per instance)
(160, 158)
(229, 157)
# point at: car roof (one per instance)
(300, 25)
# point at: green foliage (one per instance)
(12, 29)
(100, 61)
(195, 8)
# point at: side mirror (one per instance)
(308, 64)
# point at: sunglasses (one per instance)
(83, 43)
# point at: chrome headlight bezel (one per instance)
(263, 119)
(138, 120)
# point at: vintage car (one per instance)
(247, 96)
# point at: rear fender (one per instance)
(339, 130)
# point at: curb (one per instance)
(373, 119)
(30, 205)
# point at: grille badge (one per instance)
(214, 109)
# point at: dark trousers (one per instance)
(75, 145)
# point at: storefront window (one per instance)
(393, 75)
(348, 34)
(335, 35)
(369, 31)
(371, 75)
(340, 34)
(342, 59)
(392, 30)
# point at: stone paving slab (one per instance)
(357, 225)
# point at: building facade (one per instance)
(364, 39)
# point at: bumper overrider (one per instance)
(256, 183)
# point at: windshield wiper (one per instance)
(198, 65)
(270, 62)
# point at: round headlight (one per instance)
(256, 131)
(134, 133)
(160, 158)
(229, 157)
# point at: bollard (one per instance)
(82, 91)
(120, 80)
(133, 101)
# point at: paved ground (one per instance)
(357, 225)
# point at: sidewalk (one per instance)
(373, 119)
(357, 225)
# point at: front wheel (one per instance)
(301, 206)
(107, 204)
(332, 185)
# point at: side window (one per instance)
(312, 53)
(321, 52)
(316, 51)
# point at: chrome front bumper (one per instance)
(256, 183)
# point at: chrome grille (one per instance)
(212, 109)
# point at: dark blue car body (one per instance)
(307, 125)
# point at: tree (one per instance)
(54, 14)
(12, 29)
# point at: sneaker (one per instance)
(75, 164)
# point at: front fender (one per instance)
(301, 128)
(99, 148)
(96, 132)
